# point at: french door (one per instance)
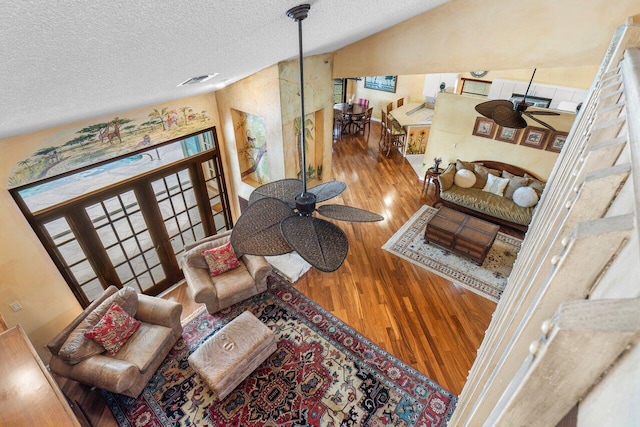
(133, 233)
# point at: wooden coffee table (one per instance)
(461, 233)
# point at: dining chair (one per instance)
(364, 122)
(400, 102)
(382, 142)
(389, 107)
(396, 136)
(340, 121)
(364, 102)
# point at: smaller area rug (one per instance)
(323, 373)
(488, 280)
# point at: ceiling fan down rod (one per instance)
(524, 99)
(298, 14)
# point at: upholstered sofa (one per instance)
(473, 197)
(230, 287)
(127, 372)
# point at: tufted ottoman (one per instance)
(229, 356)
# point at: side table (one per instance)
(430, 174)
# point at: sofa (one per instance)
(127, 371)
(498, 192)
(220, 291)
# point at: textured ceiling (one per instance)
(66, 60)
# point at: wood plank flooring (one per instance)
(429, 323)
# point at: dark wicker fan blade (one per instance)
(508, 118)
(548, 126)
(348, 213)
(257, 231)
(319, 242)
(283, 189)
(328, 190)
(486, 108)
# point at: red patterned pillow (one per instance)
(220, 259)
(114, 329)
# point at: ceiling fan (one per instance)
(509, 114)
(279, 218)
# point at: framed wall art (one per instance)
(556, 141)
(534, 137)
(510, 135)
(384, 83)
(484, 127)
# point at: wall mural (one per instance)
(251, 144)
(313, 151)
(100, 139)
(417, 141)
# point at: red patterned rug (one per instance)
(323, 373)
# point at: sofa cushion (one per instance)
(488, 203)
(525, 197)
(233, 282)
(515, 182)
(461, 164)
(535, 184)
(445, 179)
(495, 185)
(481, 174)
(114, 329)
(464, 178)
(77, 347)
(148, 336)
(221, 259)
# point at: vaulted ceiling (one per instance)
(67, 60)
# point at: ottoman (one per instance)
(229, 356)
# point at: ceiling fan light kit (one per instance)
(280, 216)
(510, 114)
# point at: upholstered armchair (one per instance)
(221, 291)
(128, 370)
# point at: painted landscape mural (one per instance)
(251, 143)
(100, 139)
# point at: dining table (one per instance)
(353, 113)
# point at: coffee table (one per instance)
(461, 233)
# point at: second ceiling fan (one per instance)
(507, 113)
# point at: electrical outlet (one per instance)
(15, 306)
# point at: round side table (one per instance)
(430, 174)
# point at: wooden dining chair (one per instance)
(389, 107)
(364, 123)
(396, 136)
(382, 142)
(340, 121)
(399, 102)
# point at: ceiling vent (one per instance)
(196, 80)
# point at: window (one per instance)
(125, 222)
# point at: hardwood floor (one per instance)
(431, 324)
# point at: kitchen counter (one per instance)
(415, 118)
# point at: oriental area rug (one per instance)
(323, 373)
(488, 280)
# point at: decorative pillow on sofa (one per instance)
(221, 259)
(515, 182)
(77, 347)
(525, 197)
(481, 175)
(114, 329)
(446, 178)
(535, 184)
(465, 178)
(495, 185)
(461, 164)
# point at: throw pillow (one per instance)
(446, 178)
(194, 258)
(461, 164)
(515, 182)
(114, 329)
(77, 347)
(465, 178)
(525, 197)
(220, 259)
(535, 184)
(495, 185)
(481, 175)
